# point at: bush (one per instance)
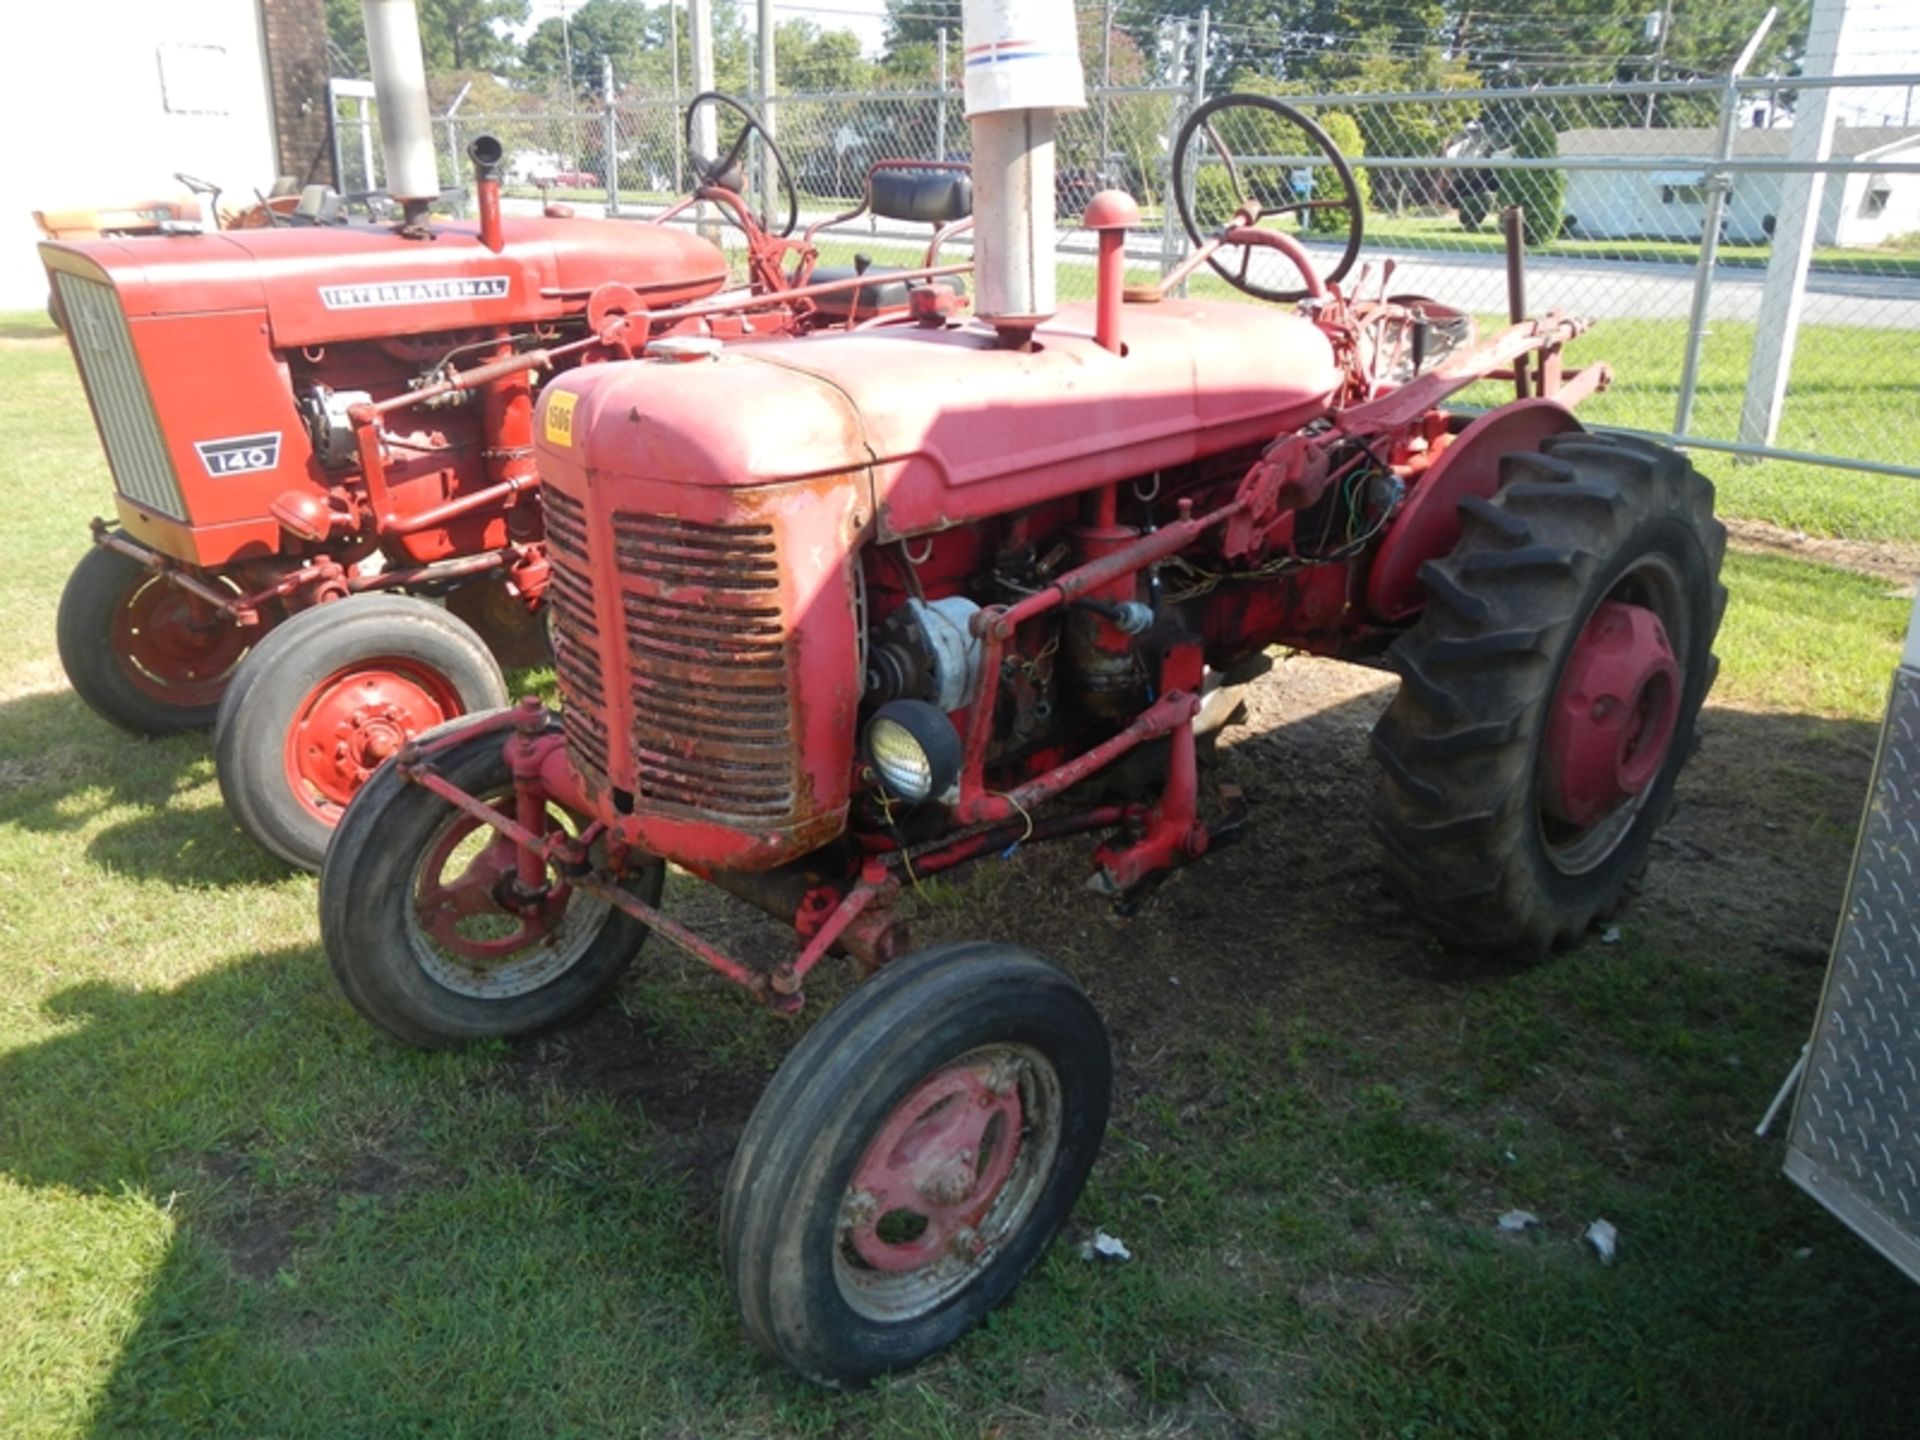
(1473, 192)
(1344, 131)
(1542, 193)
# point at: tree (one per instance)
(812, 59)
(1542, 193)
(347, 37)
(454, 34)
(462, 34)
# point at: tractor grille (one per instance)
(576, 639)
(137, 453)
(706, 639)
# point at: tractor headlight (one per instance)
(914, 750)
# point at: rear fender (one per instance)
(1428, 524)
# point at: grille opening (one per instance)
(122, 404)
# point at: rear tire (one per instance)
(328, 696)
(139, 652)
(415, 938)
(912, 1159)
(1521, 784)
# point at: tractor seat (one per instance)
(880, 293)
(929, 197)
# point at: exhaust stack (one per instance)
(400, 85)
(1022, 64)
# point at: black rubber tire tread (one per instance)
(779, 1217)
(1457, 808)
(270, 684)
(365, 889)
(83, 629)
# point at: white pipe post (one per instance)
(400, 81)
(1796, 230)
(1022, 64)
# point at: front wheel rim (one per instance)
(173, 647)
(474, 932)
(948, 1182)
(353, 721)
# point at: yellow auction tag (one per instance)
(560, 417)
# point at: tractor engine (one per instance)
(753, 553)
(302, 323)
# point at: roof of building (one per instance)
(1849, 141)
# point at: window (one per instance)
(1873, 201)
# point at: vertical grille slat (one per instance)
(129, 429)
(712, 713)
(576, 638)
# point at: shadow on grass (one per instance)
(329, 1194)
(62, 767)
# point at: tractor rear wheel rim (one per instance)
(1614, 713)
(948, 1181)
(175, 648)
(474, 931)
(354, 720)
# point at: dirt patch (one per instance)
(1897, 562)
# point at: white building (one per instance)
(108, 98)
(1664, 197)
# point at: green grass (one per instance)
(227, 1207)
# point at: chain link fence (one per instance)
(1753, 294)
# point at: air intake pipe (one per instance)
(486, 154)
(400, 87)
(1022, 65)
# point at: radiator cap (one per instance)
(684, 349)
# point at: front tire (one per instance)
(1549, 693)
(327, 697)
(414, 930)
(912, 1159)
(141, 652)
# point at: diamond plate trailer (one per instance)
(1855, 1140)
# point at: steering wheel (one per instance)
(1265, 133)
(724, 171)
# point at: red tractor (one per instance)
(297, 416)
(834, 617)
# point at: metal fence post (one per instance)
(940, 112)
(673, 53)
(1171, 248)
(613, 135)
(1719, 185)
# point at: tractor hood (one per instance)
(326, 284)
(949, 427)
